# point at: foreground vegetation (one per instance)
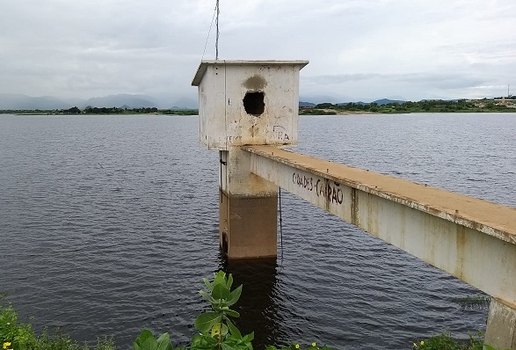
(216, 330)
(20, 336)
(446, 342)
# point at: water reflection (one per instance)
(137, 254)
(258, 304)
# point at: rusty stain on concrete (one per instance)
(354, 206)
(461, 247)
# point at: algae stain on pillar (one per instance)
(247, 103)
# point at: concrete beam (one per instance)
(501, 325)
(471, 239)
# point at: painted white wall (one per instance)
(223, 120)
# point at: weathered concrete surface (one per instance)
(472, 239)
(256, 103)
(247, 209)
(490, 218)
(240, 103)
(248, 102)
(236, 178)
(501, 326)
(248, 226)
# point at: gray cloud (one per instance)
(407, 85)
(438, 80)
(361, 49)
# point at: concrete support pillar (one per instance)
(501, 326)
(247, 103)
(248, 209)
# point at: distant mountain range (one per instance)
(386, 101)
(306, 104)
(380, 102)
(19, 101)
(123, 100)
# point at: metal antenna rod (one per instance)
(218, 32)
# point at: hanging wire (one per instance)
(214, 16)
(218, 31)
(280, 224)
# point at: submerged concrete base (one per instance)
(248, 226)
(501, 326)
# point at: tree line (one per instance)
(104, 110)
(430, 106)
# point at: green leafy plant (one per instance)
(147, 341)
(15, 335)
(217, 330)
(215, 326)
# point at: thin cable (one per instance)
(226, 107)
(218, 31)
(221, 164)
(209, 31)
(280, 224)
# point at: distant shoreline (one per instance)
(102, 111)
(366, 113)
(498, 105)
(336, 114)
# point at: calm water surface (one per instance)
(109, 223)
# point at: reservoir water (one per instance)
(109, 223)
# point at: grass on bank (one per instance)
(21, 336)
(15, 335)
(446, 342)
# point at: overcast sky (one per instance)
(358, 49)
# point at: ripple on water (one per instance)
(108, 225)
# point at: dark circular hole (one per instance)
(253, 103)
